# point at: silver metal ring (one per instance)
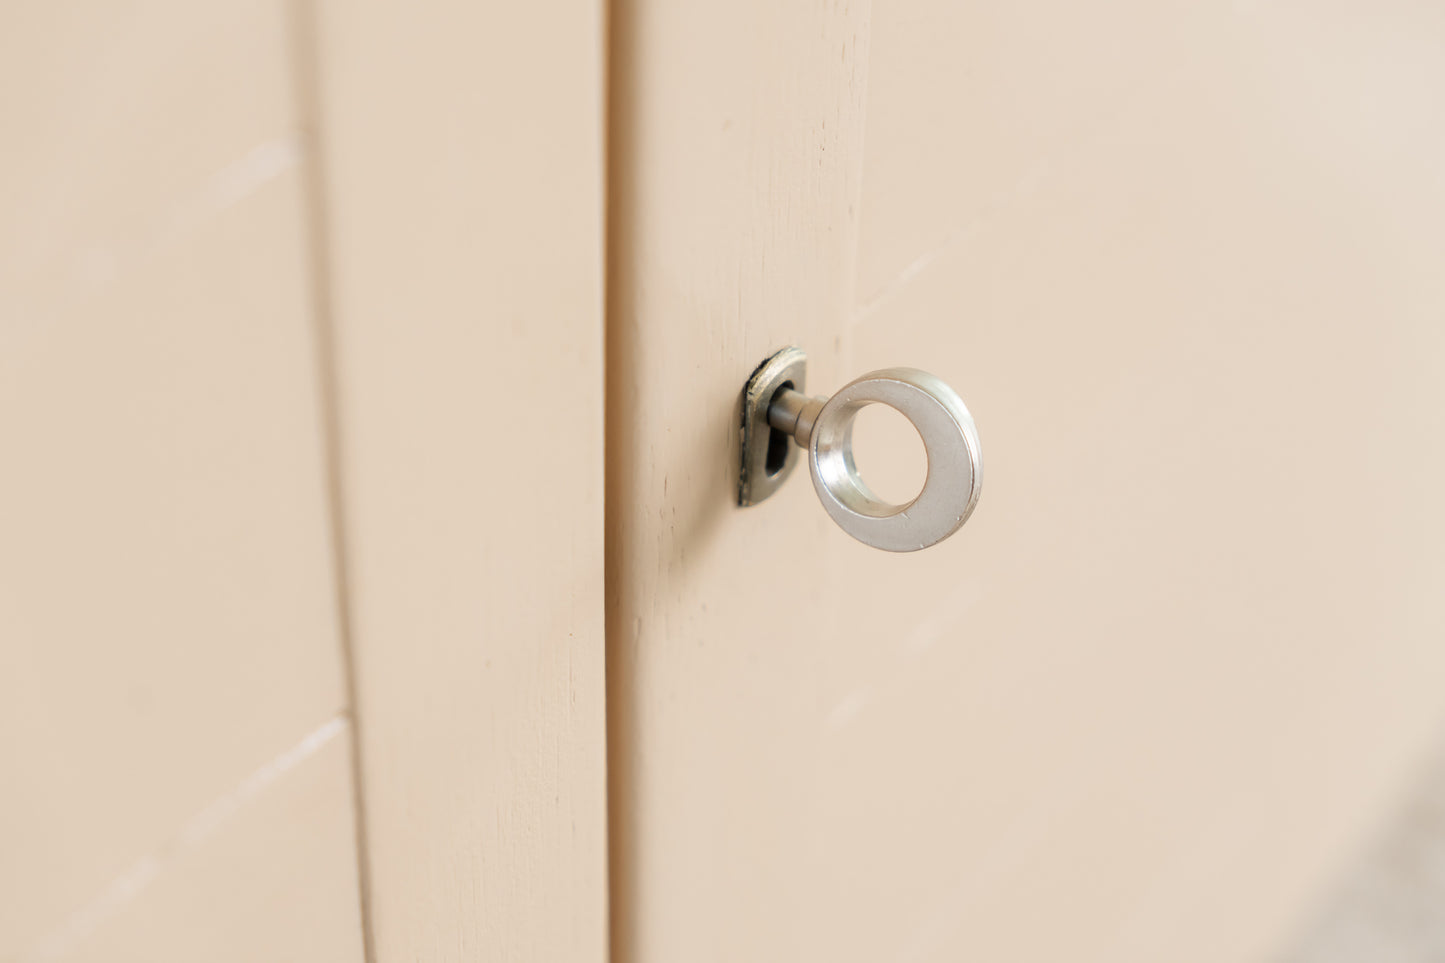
(955, 465)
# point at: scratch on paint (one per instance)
(849, 706)
(126, 887)
(222, 190)
(924, 635)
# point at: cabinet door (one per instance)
(462, 163)
(1182, 261)
(175, 770)
(301, 571)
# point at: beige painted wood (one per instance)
(242, 883)
(1183, 263)
(736, 150)
(463, 169)
(172, 709)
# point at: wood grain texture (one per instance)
(1182, 262)
(167, 607)
(463, 166)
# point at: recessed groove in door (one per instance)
(306, 75)
(463, 246)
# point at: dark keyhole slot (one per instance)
(777, 442)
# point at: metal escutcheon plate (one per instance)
(767, 454)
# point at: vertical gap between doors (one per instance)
(619, 387)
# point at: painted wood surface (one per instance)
(1182, 262)
(173, 728)
(736, 152)
(463, 170)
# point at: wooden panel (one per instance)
(1202, 343)
(463, 160)
(167, 607)
(736, 149)
(1187, 650)
(977, 99)
(239, 881)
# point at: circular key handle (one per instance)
(955, 467)
(824, 428)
